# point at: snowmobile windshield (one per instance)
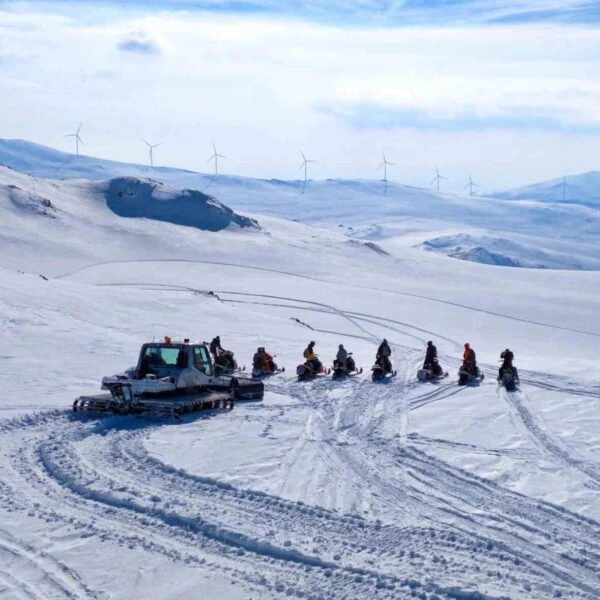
(163, 356)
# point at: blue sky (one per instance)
(386, 12)
(508, 91)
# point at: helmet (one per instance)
(385, 341)
(429, 343)
(341, 346)
(467, 345)
(311, 344)
(259, 349)
(507, 350)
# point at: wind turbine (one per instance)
(384, 164)
(77, 138)
(150, 150)
(437, 178)
(304, 165)
(470, 185)
(216, 157)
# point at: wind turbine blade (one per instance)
(69, 135)
(147, 144)
(381, 165)
(79, 128)
(303, 157)
(433, 180)
(80, 140)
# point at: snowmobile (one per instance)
(466, 375)
(431, 371)
(381, 370)
(170, 379)
(225, 364)
(348, 370)
(307, 371)
(258, 371)
(509, 378)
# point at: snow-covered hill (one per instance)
(325, 489)
(503, 232)
(581, 189)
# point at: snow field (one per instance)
(325, 489)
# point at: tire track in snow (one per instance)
(36, 574)
(115, 491)
(441, 494)
(345, 284)
(549, 445)
(464, 547)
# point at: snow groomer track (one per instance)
(98, 477)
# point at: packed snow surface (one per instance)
(325, 489)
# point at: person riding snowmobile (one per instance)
(223, 358)
(383, 355)
(215, 346)
(469, 360)
(311, 358)
(507, 357)
(343, 359)
(431, 361)
(263, 361)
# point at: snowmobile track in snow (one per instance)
(548, 444)
(98, 478)
(350, 285)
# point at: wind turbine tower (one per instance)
(304, 165)
(216, 157)
(471, 185)
(151, 151)
(384, 164)
(437, 178)
(77, 138)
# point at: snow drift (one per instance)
(490, 249)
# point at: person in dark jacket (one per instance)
(224, 360)
(215, 347)
(431, 360)
(430, 355)
(507, 357)
(383, 354)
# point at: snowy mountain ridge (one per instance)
(583, 188)
(495, 231)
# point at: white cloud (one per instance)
(252, 84)
(139, 42)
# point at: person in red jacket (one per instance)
(469, 360)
